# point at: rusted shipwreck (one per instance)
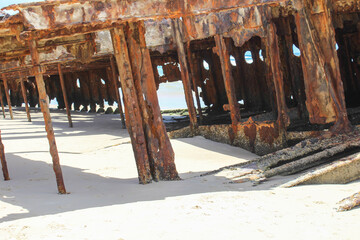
(48, 47)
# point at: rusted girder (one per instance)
(23, 91)
(222, 51)
(44, 104)
(178, 37)
(161, 154)
(6, 88)
(325, 99)
(63, 89)
(2, 102)
(194, 76)
(116, 88)
(132, 109)
(3, 161)
(274, 55)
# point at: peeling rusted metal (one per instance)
(44, 104)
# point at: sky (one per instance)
(5, 3)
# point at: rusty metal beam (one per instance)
(23, 91)
(3, 161)
(274, 55)
(325, 99)
(178, 36)
(161, 154)
(116, 88)
(63, 89)
(193, 69)
(44, 104)
(132, 108)
(2, 102)
(6, 88)
(222, 51)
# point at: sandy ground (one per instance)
(106, 201)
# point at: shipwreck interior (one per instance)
(258, 76)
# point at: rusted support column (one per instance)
(116, 88)
(3, 161)
(178, 36)
(274, 55)
(194, 77)
(44, 104)
(23, 91)
(224, 56)
(132, 109)
(63, 89)
(2, 102)
(161, 154)
(6, 88)
(325, 98)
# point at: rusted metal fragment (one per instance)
(342, 171)
(325, 96)
(274, 55)
(161, 154)
(222, 50)
(193, 71)
(179, 39)
(44, 104)
(24, 94)
(133, 116)
(7, 94)
(116, 88)
(349, 202)
(3, 161)
(63, 89)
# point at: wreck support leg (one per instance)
(325, 98)
(44, 104)
(274, 54)
(3, 161)
(8, 96)
(63, 89)
(132, 108)
(2, 102)
(194, 76)
(224, 56)
(161, 154)
(116, 87)
(184, 73)
(23, 91)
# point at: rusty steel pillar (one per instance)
(3, 161)
(325, 98)
(178, 37)
(132, 109)
(161, 154)
(116, 88)
(6, 88)
(23, 91)
(222, 51)
(194, 76)
(44, 104)
(2, 102)
(273, 52)
(63, 89)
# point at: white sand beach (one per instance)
(106, 201)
